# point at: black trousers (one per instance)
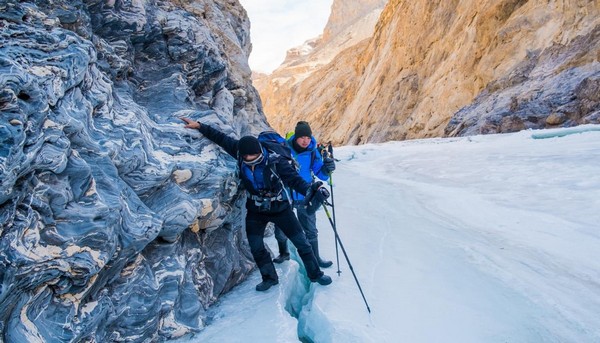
(288, 223)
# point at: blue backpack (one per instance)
(275, 143)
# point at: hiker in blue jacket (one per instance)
(265, 176)
(305, 152)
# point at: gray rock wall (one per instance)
(117, 223)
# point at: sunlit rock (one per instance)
(449, 68)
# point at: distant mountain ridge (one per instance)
(349, 23)
(434, 68)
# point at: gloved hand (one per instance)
(322, 194)
(315, 197)
(328, 165)
(313, 187)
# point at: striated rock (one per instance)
(100, 184)
(434, 68)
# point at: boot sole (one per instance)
(280, 260)
(266, 289)
(326, 264)
(323, 282)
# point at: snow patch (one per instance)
(555, 133)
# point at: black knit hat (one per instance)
(302, 130)
(249, 145)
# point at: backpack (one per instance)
(275, 143)
(278, 146)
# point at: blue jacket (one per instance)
(310, 162)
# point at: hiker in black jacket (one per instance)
(265, 175)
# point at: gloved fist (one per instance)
(318, 190)
(328, 164)
(316, 196)
(314, 186)
(322, 194)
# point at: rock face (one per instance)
(350, 22)
(117, 224)
(445, 68)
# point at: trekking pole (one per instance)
(337, 239)
(337, 255)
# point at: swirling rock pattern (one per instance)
(117, 223)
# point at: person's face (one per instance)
(250, 158)
(303, 142)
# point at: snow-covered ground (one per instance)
(477, 239)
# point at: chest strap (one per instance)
(259, 198)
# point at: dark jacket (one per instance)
(267, 195)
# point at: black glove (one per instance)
(328, 165)
(315, 197)
(322, 194)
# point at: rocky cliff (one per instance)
(117, 224)
(445, 68)
(350, 22)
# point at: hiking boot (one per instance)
(281, 258)
(324, 263)
(315, 247)
(266, 284)
(323, 280)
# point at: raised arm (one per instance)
(230, 145)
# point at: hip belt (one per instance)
(264, 202)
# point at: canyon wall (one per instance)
(446, 68)
(117, 224)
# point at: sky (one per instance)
(277, 26)
(474, 239)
